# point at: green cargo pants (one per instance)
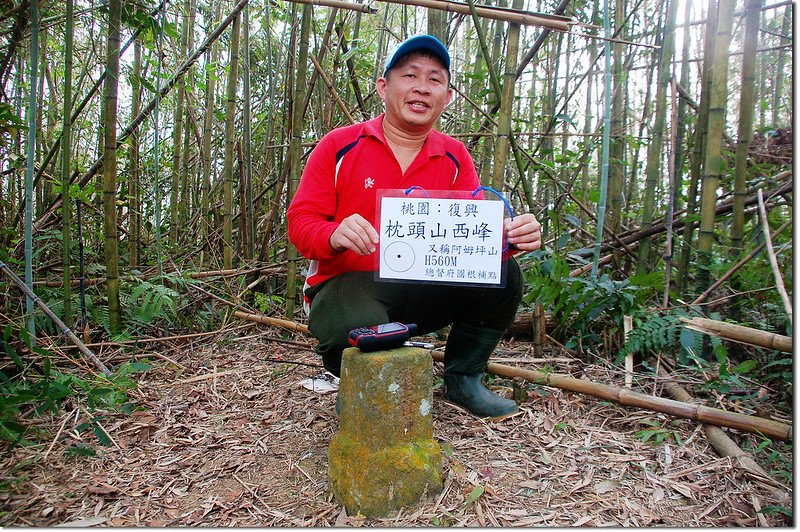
(356, 299)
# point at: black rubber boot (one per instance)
(465, 357)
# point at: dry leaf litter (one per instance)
(224, 438)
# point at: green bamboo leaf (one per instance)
(101, 434)
(745, 367)
(476, 493)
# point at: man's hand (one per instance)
(524, 231)
(356, 234)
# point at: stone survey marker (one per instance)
(384, 456)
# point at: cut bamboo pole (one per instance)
(723, 444)
(740, 333)
(787, 303)
(331, 89)
(340, 4)
(193, 275)
(60, 324)
(627, 325)
(519, 17)
(704, 414)
(276, 322)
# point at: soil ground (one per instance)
(224, 437)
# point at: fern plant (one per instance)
(582, 307)
(659, 332)
(148, 303)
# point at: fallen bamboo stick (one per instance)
(702, 297)
(276, 322)
(192, 275)
(704, 414)
(740, 333)
(723, 444)
(60, 324)
(633, 239)
(776, 270)
(138, 341)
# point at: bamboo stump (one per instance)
(384, 456)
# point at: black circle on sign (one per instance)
(399, 257)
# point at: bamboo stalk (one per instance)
(627, 325)
(194, 275)
(276, 322)
(60, 324)
(702, 297)
(723, 444)
(741, 334)
(701, 413)
(632, 239)
(787, 303)
(331, 89)
(704, 414)
(507, 15)
(341, 4)
(145, 112)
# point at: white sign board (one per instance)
(441, 240)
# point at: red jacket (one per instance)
(342, 176)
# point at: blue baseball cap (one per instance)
(417, 43)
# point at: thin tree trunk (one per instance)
(647, 109)
(30, 159)
(701, 128)
(66, 151)
(654, 147)
(40, 133)
(777, 95)
(186, 190)
(298, 111)
(208, 125)
(713, 149)
(248, 245)
(745, 130)
(177, 133)
(587, 125)
(134, 188)
(230, 156)
(110, 166)
(506, 101)
(616, 178)
(682, 105)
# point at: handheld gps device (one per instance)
(383, 336)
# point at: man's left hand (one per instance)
(524, 231)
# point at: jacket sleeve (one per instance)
(312, 211)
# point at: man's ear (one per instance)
(380, 87)
(449, 96)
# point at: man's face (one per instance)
(415, 92)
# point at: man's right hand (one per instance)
(356, 234)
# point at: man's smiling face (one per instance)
(415, 92)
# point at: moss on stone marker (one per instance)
(384, 456)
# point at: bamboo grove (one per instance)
(148, 139)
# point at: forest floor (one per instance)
(226, 438)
